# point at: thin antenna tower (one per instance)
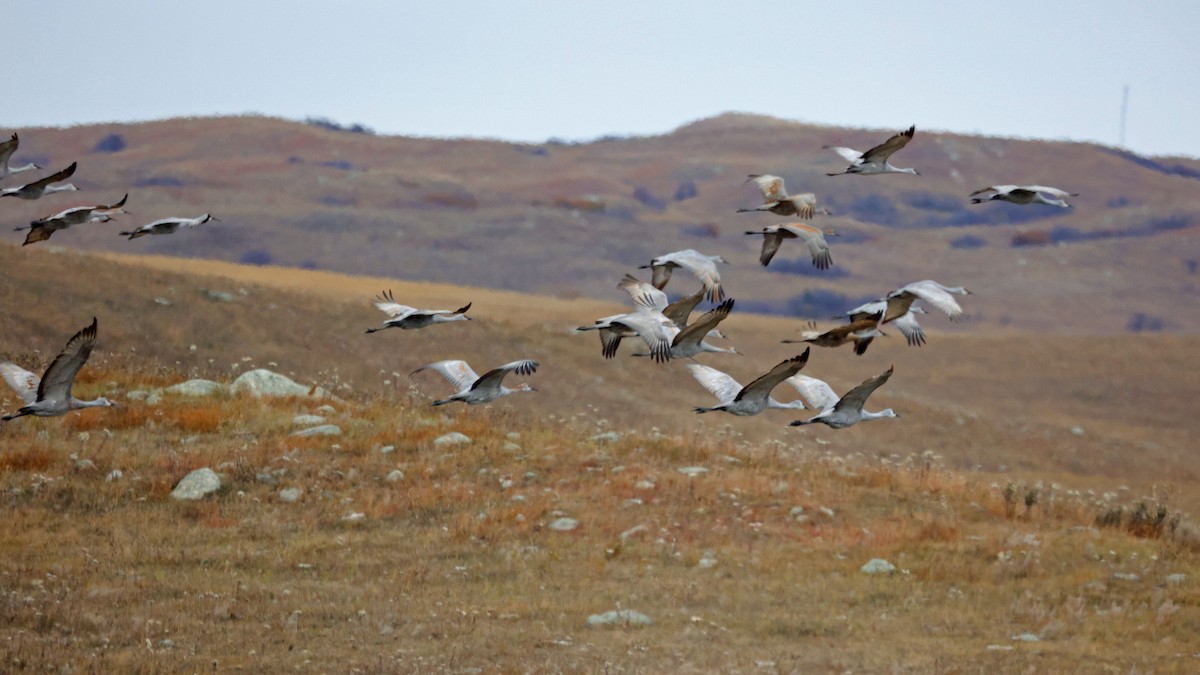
(1124, 109)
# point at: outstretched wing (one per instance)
(56, 381)
(491, 379)
(719, 384)
(771, 187)
(679, 311)
(7, 148)
(54, 177)
(907, 324)
(816, 393)
(761, 387)
(38, 233)
(814, 238)
(770, 246)
(704, 324)
(1052, 191)
(388, 305)
(856, 397)
(901, 299)
(849, 154)
(644, 295)
(881, 152)
(456, 372)
(22, 381)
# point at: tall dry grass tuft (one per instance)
(25, 458)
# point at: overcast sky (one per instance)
(577, 70)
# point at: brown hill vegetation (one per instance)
(567, 219)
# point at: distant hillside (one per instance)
(568, 220)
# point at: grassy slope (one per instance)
(447, 570)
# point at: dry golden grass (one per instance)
(454, 567)
(753, 565)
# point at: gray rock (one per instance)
(195, 388)
(222, 296)
(325, 410)
(289, 495)
(619, 617)
(395, 475)
(1125, 576)
(1026, 637)
(117, 474)
(266, 477)
(262, 382)
(1176, 578)
(692, 471)
(307, 420)
(450, 439)
(387, 449)
(323, 430)
(85, 465)
(607, 437)
(197, 484)
(137, 395)
(877, 566)
(563, 524)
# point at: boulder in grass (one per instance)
(619, 617)
(195, 388)
(262, 382)
(197, 484)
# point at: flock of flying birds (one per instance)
(663, 326)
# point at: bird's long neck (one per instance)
(706, 347)
(790, 405)
(442, 318)
(59, 188)
(77, 404)
(895, 169)
(18, 169)
(886, 412)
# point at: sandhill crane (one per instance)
(7, 148)
(754, 397)
(646, 321)
(776, 199)
(846, 411)
(43, 186)
(860, 333)
(42, 228)
(813, 237)
(907, 324)
(654, 329)
(168, 225)
(473, 389)
(647, 296)
(1023, 194)
(703, 266)
(689, 341)
(50, 395)
(407, 318)
(875, 160)
(900, 300)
